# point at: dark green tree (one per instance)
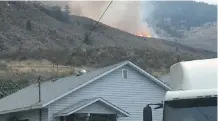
(188, 28)
(29, 25)
(67, 9)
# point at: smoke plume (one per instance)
(128, 16)
(124, 15)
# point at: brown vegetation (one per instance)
(46, 33)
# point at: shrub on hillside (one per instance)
(8, 87)
(3, 66)
(29, 25)
(55, 12)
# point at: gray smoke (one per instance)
(125, 15)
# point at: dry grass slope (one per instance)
(47, 42)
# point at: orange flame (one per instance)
(143, 34)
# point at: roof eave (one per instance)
(149, 75)
(121, 111)
(21, 109)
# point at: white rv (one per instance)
(194, 92)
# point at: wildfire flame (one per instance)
(143, 34)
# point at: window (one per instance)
(124, 73)
(199, 109)
(24, 120)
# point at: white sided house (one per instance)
(114, 93)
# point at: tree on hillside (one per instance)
(56, 12)
(67, 9)
(28, 25)
(67, 13)
(2, 46)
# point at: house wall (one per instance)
(32, 115)
(131, 94)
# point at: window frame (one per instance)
(123, 70)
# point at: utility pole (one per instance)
(39, 85)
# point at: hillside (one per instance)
(201, 37)
(183, 13)
(179, 21)
(31, 31)
(192, 23)
(48, 31)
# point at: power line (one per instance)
(95, 24)
(203, 114)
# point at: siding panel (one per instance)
(131, 94)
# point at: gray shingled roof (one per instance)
(49, 90)
(27, 98)
(165, 79)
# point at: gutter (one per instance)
(21, 109)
